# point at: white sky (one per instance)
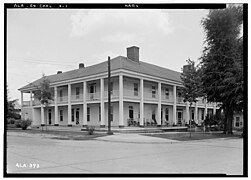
(47, 40)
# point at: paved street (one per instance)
(122, 153)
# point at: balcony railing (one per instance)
(180, 100)
(131, 94)
(93, 96)
(150, 96)
(77, 98)
(168, 99)
(114, 94)
(26, 103)
(62, 99)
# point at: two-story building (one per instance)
(141, 94)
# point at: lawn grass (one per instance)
(62, 135)
(194, 136)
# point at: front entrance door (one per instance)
(180, 117)
(49, 116)
(130, 112)
(77, 116)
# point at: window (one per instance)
(61, 115)
(192, 114)
(237, 122)
(167, 111)
(99, 113)
(153, 91)
(92, 90)
(136, 89)
(61, 95)
(202, 114)
(72, 115)
(88, 113)
(167, 93)
(77, 92)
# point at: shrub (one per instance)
(11, 121)
(23, 124)
(18, 123)
(90, 130)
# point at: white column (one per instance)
(141, 123)
(85, 105)
(121, 102)
(174, 105)
(196, 113)
(30, 98)
(205, 112)
(214, 109)
(22, 99)
(187, 113)
(159, 104)
(102, 104)
(56, 105)
(69, 105)
(42, 115)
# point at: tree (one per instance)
(11, 110)
(43, 92)
(221, 61)
(191, 90)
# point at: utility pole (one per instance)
(109, 98)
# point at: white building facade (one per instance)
(142, 94)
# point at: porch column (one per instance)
(69, 105)
(42, 115)
(22, 99)
(205, 112)
(102, 105)
(159, 104)
(85, 105)
(187, 113)
(56, 105)
(121, 102)
(141, 123)
(214, 109)
(174, 105)
(30, 98)
(196, 113)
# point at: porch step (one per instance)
(142, 130)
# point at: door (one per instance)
(180, 117)
(49, 116)
(130, 112)
(77, 116)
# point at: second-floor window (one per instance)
(61, 95)
(167, 93)
(111, 87)
(77, 92)
(153, 91)
(136, 89)
(92, 90)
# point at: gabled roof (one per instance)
(119, 62)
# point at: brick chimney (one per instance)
(81, 65)
(133, 53)
(186, 68)
(59, 72)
